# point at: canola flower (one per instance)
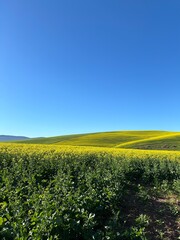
(51, 150)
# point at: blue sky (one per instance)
(86, 66)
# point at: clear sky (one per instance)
(71, 66)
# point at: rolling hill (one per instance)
(170, 141)
(119, 139)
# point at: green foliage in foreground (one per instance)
(67, 195)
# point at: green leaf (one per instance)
(1, 221)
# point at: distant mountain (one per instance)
(6, 138)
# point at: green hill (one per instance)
(170, 141)
(110, 139)
(119, 139)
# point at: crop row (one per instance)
(52, 192)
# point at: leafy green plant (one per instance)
(48, 192)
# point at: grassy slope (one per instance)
(167, 142)
(120, 139)
(109, 139)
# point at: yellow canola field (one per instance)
(52, 151)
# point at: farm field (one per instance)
(75, 192)
(162, 140)
(90, 126)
